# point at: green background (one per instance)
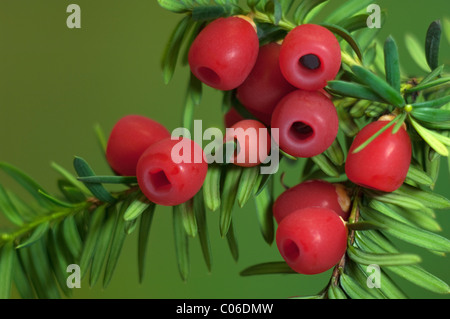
(56, 83)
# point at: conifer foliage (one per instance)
(87, 224)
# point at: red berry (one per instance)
(310, 56)
(253, 142)
(232, 117)
(265, 86)
(307, 121)
(170, 172)
(312, 240)
(384, 162)
(129, 138)
(224, 53)
(312, 193)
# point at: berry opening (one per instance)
(310, 61)
(301, 131)
(290, 250)
(160, 181)
(208, 75)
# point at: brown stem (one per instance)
(337, 270)
(353, 218)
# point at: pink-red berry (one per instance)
(171, 172)
(265, 86)
(312, 193)
(307, 121)
(312, 240)
(310, 56)
(224, 52)
(129, 138)
(384, 163)
(253, 142)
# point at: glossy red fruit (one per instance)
(170, 172)
(232, 117)
(312, 240)
(253, 142)
(310, 56)
(265, 86)
(307, 121)
(384, 162)
(224, 53)
(129, 138)
(312, 193)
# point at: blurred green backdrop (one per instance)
(56, 83)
